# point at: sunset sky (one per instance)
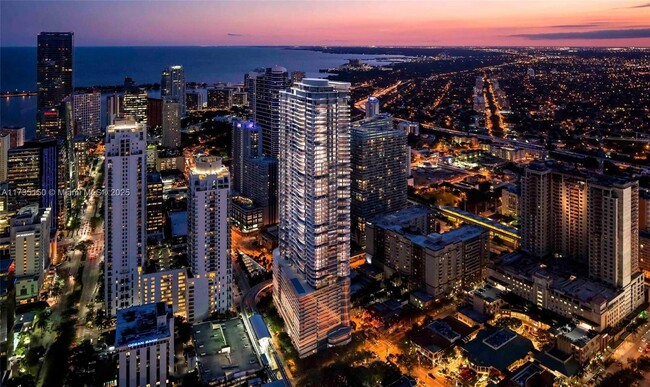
(334, 23)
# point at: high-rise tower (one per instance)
(53, 79)
(208, 236)
(125, 213)
(266, 108)
(311, 284)
(172, 85)
(380, 171)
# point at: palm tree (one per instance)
(40, 320)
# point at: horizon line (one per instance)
(343, 46)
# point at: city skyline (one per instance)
(412, 23)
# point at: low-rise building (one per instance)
(225, 354)
(498, 350)
(560, 288)
(245, 215)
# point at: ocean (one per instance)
(107, 66)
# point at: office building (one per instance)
(245, 215)
(30, 243)
(171, 125)
(208, 239)
(54, 79)
(16, 135)
(155, 209)
(124, 213)
(32, 170)
(144, 342)
(194, 101)
(135, 105)
(246, 145)
(311, 276)
(372, 107)
(267, 103)
(172, 86)
(438, 263)
(114, 108)
(87, 113)
(380, 171)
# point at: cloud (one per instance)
(598, 34)
(231, 34)
(585, 25)
(646, 5)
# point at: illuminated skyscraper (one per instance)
(124, 213)
(135, 105)
(380, 171)
(208, 237)
(613, 228)
(172, 85)
(372, 107)
(311, 276)
(54, 80)
(87, 110)
(267, 102)
(246, 144)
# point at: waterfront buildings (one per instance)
(54, 80)
(154, 112)
(172, 86)
(266, 107)
(194, 101)
(144, 342)
(171, 123)
(208, 240)
(125, 213)
(87, 113)
(311, 284)
(380, 171)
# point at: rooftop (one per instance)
(488, 293)
(497, 348)
(223, 349)
(562, 275)
(142, 324)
